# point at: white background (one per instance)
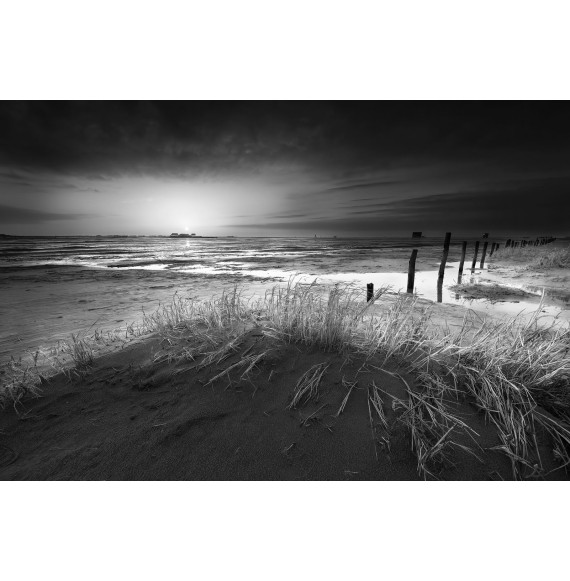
(284, 50)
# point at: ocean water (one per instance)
(214, 255)
(50, 287)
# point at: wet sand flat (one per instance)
(41, 306)
(43, 303)
(154, 408)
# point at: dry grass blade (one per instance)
(305, 422)
(218, 355)
(349, 386)
(249, 361)
(517, 371)
(307, 387)
(377, 404)
(372, 425)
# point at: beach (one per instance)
(131, 420)
(51, 288)
(187, 391)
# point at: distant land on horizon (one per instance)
(454, 237)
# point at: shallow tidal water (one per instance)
(52, 287)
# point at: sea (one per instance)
(52, 287)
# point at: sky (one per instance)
(332, 168)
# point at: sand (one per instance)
(128, 417)
(516, 273)
(509, 286)
(42, 305)
(493, 292)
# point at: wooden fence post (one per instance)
(369, 292)
(412, 270)
(463, 251)
(444, 257)
(483, 255)
(475, 255)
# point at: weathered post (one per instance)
(497, 247)
(475, 255)
(483, 255)
(440, 291)
(492, 250)
(463, 251)
(444, 257)
(508, 243)
(369, 292)
(412, 270)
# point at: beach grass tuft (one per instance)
(516, 371)
(307, 387)
(535, 257)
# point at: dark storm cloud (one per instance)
(531, 207)
(286, 216)
(366, 185)
(134, 138)
(105, 138)
(539, 206)
(340, 166)
(11, 214)
(11, 176)
(17, 183)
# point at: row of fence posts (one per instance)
(540, 241)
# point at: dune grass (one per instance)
(535, 257)
(307, 388)
(23, 376)
(300, 313)
(516, 372)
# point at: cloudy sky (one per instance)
(284, 168)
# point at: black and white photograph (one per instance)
(284, 290)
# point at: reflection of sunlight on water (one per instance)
(426, 287)
(146, 267)
(267, 261)
(426, 284)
